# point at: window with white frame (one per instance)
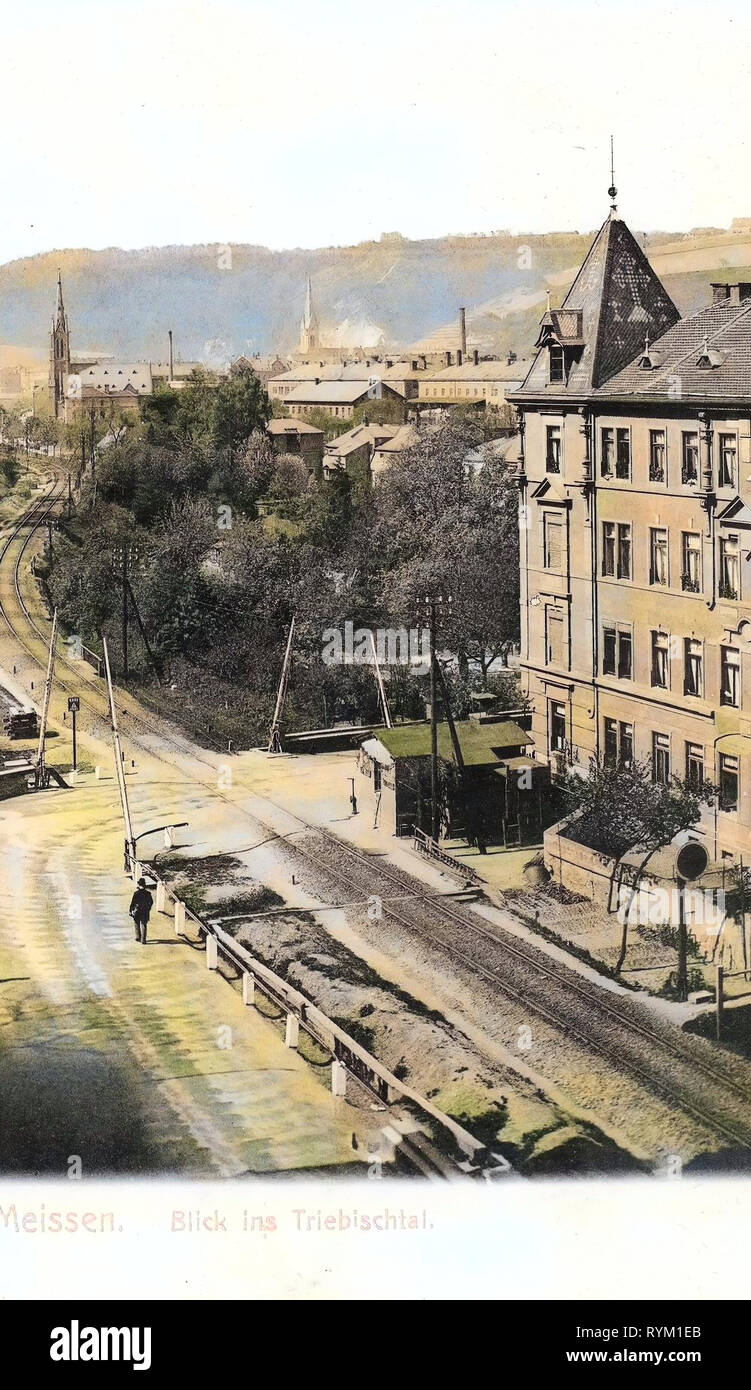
(656, 456)
(607, 452)
(730, 676)
(691, 562)
(624, 550)
(693, 667)
(729, 782)
(661, 758)
(728, 460)
(695, 765)
(608, 549)
(661, 660)
(730, 586)
(553, 449)
(658, 555)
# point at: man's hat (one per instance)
(142, 883)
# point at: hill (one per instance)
(222, 301)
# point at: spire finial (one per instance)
(612, 191)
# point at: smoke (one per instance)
(352, 333)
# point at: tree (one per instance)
(621, 808)
(241, 407)
(448, 523)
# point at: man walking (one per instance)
(140, 910)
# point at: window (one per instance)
(693, 667)
(554, 648)
(557, 725)
(656, 456)
(658, 555)
(728, 782)
(608, 548)
(661, 758)
(623, 454)
(618, 743)
(553, 449)
(608, 651)
(690, 458)
(553, 542)
(607, 453)
(729, 568)
(624, 551)
(624, 655)
(730, 676)
(728, 459)
(691, 568)
(694, 764)
(556, 364)
(660, 660)
(611, 742)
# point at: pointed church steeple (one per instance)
(308, 323)
(59, 352)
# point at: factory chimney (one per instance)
(171, 373)
(463, 331)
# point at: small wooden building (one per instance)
(494, 800)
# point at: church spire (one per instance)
(60, 322)
(308, 322)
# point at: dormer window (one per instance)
(709, 357)
(557, 366)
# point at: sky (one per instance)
(295, 123)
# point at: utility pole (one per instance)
(40, 772)
(682, 944)
(125, 612)
(434, 812)
(130, 844)
(381, 690)
(275, 736)
(93, 453)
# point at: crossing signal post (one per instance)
(74, 705)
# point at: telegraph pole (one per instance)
(130, 844)
(125, 612)
(434, 811)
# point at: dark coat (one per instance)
(140, 904)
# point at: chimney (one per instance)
(459, 357)
(475, 357)
(170, 355)
(463, 331)
(448, 359)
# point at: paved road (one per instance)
(131, 1058)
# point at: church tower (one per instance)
(308, 325)
(59, 353)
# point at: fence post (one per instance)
(137, 870)
(161, 895)
(292, 1031)
(179, 917)
(212, 955)
(249, 988)
(720, 1001)
(338, 1079)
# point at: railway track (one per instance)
(680, 1071)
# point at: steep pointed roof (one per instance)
(614, 302)
(60, 315)
(309, 319)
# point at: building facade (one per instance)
(635, 531)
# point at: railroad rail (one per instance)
(593, 1007)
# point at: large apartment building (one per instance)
(635, 513)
